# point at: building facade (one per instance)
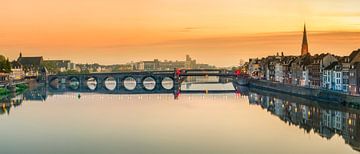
(17, 72)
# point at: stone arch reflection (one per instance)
(110, 83)
(129, 83)
(149, 83)
(74, 83)
(91, 83)
(167, 83)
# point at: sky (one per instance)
(211, 31)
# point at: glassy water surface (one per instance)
(247, 122)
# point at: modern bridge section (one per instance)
(206, 72)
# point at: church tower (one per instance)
(304, 46)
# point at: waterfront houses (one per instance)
(269, 67)
(17, 72)
(345, 66)
(333, 77)
(324, 70)
(254, 68)
(354, 78)
(299, 70)
(354, 72)
(317, 66)
(282, 69)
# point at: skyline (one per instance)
(133, 31)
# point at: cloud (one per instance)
(343, 14)
(189, 29)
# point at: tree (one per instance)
(51, 67)
(5, 65)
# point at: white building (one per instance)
(333, 77)
(279, 72)
(17, 72)
(304, 80)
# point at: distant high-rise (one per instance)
(304, 46)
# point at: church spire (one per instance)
(304, 46)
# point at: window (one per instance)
(338, 75)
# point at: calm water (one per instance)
(254, 122)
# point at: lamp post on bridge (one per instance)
(177, 86)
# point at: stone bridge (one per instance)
(140, 82)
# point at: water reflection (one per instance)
(322, 120)
(149, 83)
(8, 103)
(167, 83)
(74, 84)
(91, 83)
(110, 83)
(130, 83)
(310, 116)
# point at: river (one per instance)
(252, 121)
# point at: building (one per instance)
(304, 45)
(355, 56)
(299, 70)
(270, 63)
(171, 65)
(189, 63)
(122, 68)
(4, 76)
(157, 65)
(317, 67)
(60, 65)
(282, 69)
(332, 76)
(345, 70)
(148, 65)
(354, 72)
(336, 75)
(279, 72)
(17, 72)
(254, 68)
(354, 78)
(31, 65)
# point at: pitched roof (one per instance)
(354, 54)
(15, 64)
(332, 65)
(344, 59)
(30, 61)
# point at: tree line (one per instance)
(5, 65)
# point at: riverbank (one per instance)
(305, 92)
(18, 89)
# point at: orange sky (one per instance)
(116, 31)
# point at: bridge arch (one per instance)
(149, 83)
(129, 83)
(73, 82)
(110, 83)
(167, 83)
(53, 79)
(91, 83)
